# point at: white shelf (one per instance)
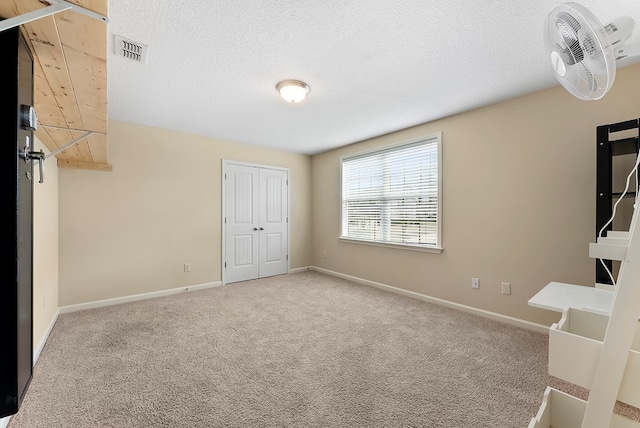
(613, 249)
(560, 410)
(596, 343)
(558, 297)
(575, 344)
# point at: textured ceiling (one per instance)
(373, 66)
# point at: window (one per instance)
(392, 195)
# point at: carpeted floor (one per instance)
(299, 350)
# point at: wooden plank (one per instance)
(99, 148)
(84, 42)
(8, 9)
(46, 139)
(88, 76)
(82, 146)
(83, 34)
(62, 137)
(69, 164)
(47, 108)
(44, 36)
(91, 149)
(98, 6)
(90, 86)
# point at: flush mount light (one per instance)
(293, 91)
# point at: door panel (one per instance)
(243, 254)
(243, 192)
(274, 247)
(256, 223)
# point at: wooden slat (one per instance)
(46, 139)
(82, 146)
(98, 6)
(47, 108)
(98, 147)
(8, 9)
(84, 45)
(69, 164)
(62, 137)
(43, 34)
(91, 149)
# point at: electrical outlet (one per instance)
(506, 288)
(324, 254)
(475, 283)
(187, 267)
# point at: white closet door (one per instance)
(241, 223)
(256, 207)
(273, 222)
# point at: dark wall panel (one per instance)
(16, 215)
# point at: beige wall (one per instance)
(130, 231)
(45, 248)
(518, 201)
(519, 206)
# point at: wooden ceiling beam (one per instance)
(94, 166)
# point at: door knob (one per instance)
(28, 155)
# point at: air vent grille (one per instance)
(132, 50)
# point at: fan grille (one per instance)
(576, 37)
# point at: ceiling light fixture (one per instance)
(293, 91)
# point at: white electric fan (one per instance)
(584, 52)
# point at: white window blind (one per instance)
(392, 195)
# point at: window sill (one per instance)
(408, 247)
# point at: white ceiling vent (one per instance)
(129, 49)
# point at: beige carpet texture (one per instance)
(298, 350)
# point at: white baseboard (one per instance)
(301, 269)
(117, 300)
(481, 312)
(38, 350)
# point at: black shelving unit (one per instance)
(606, 149)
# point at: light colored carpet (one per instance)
(299, 350)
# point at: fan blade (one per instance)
(569, 27)
(590, 46)
(565, 20)
(591, 80)
(565, 54)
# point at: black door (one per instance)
(16, 214)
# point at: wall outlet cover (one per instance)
(506, 288)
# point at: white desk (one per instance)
(557, 296)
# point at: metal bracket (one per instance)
(56, 6)
(66, 146)
(75, 141)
